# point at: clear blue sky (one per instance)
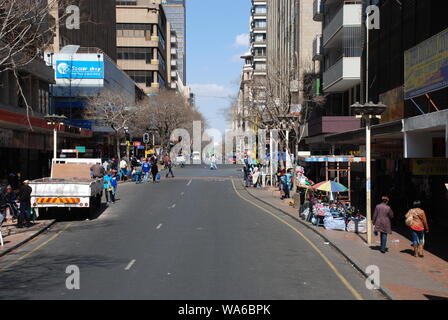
(217, 35)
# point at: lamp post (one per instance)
(153, 129)
(368, 111)
(56, 121)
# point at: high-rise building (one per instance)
(175, 11)
(97, 27)
(142, 43)
(258, 35)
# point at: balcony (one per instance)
(329, 125)
(173, 74)
(343, 75)
(317, 48)
(173, 39)
(318, 10)
(174, 51)
(348, 16)
(173, 64)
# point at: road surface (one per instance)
(197, 236)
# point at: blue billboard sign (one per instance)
(66, 69)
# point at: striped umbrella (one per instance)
(330, 186)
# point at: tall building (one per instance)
(97, 27)
(142, 43)
(258, 37)
(175, 11)
(338, 50)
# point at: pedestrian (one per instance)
(25, 205)
(97, 171)
(154, 170)
(169, 166)
(213, 165)
(287, 184)
(145, 168)
(123, 169)
(417, 222)
(138, 174)
(382, 220)
(108, 189)
(114, 183)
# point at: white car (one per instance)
(196, 156)
(180, 159)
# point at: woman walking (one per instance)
(417, 222)
(382, 220)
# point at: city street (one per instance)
(197, 236)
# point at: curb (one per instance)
(384, 291)
(25, 240)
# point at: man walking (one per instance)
(97, 171)
(382, 220)
(154, 170)
(169, 166)
(25, 205)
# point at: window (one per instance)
(161, 60)
(260, 66)
(145, 77)
(134, 30)
(260, 23)
(161, 38)
(162, 83)
(134, 53)
(260, 9)
(126, 3)
(260, 37)
(260, 52)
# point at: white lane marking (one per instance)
(173, 206)
(159, 226)
(189, 182)
(129, 266)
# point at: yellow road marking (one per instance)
(331, 265)
(37, 248)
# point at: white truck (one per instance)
(70, 186)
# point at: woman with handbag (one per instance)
(417, 222)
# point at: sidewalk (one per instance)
(403, 276)
(14, 237)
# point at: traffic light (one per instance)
(146, 138)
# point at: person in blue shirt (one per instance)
(145, 168)
(108, 188)
(287, 184)
(114, 183)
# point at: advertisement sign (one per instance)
(426, 66)
(66, 69)
(430, 167)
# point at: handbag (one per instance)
(158, 176)
(410, 219)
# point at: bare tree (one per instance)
(26, 29)
(168, 110)
(113, 110)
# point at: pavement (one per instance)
(14, 237)
(402, 276)
(199, 236)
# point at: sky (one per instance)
(217, 35)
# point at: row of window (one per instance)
(135, 53)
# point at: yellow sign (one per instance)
(430, 167)
(426, 66)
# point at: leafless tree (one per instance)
(168, 110)
(114, 110)
(26, 29)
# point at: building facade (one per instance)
(176, 14)
(142, 43)
(97, 26)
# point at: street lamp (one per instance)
(153, 129)
(56, 121)
(367, 111)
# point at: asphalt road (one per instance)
(191, 237)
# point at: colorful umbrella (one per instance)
(330, 186)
